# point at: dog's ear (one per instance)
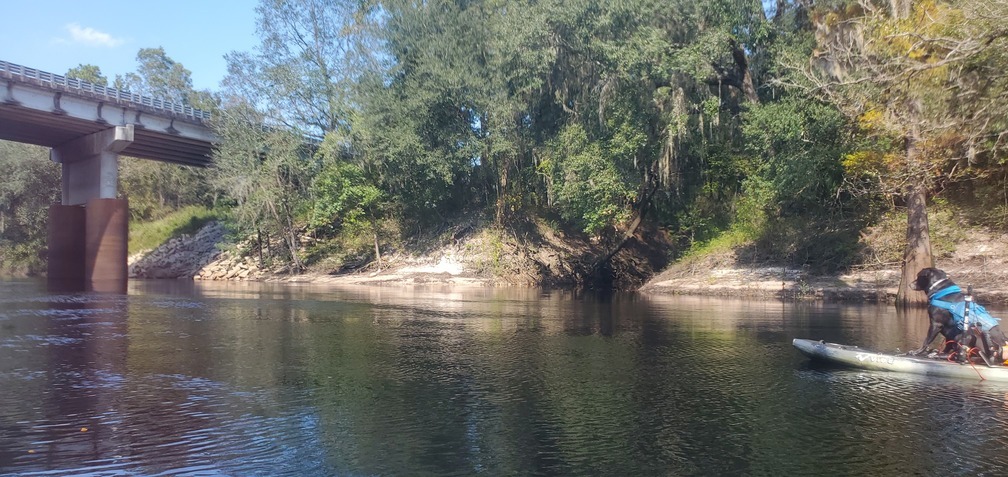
(925, 278)
(935, 275)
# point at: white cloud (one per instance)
(90, 37)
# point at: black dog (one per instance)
(938, 286)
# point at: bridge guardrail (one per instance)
(15, 70)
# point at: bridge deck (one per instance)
(49, 110)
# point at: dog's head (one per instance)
(926, 278)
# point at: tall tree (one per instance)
(153, 187)
(424, 116)
(926, 80)
(344, 196)
(309, 55)
(90, 73)
(159, 76)
(265, 172)
(293, 88)
(505, 96)
(659, 88)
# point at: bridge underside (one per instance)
(152, 137)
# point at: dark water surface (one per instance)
(179, 378)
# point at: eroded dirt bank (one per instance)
(532, 255)
(537, 257)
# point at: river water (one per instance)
(181, 378)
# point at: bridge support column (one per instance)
(106, 233)
(88, 232)
(91, 164)
(66, 249)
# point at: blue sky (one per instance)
(56, 35)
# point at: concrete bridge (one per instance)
(88, 127)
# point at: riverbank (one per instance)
(479, 256)
(484, 259)
(981, 262)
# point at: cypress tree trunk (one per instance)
(917, 254)
(918, 249)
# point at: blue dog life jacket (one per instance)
(977, 313)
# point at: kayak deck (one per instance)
(855, 357)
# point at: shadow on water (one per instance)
(268, 379)
(78, 343)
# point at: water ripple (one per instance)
(263, 384)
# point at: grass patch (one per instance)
(884, 242)
(726, 241)
(488, 251)
(188, 220)
(817, 244)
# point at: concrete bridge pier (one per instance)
(66, 249)
(89, 230)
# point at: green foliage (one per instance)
(301, 73)
(31, 184)
(342, 194)
(982, 201)
(299, 80)
(821, 244)
(266, 175)
(947, 228)
(699, 116)
(156, 188)
(490, 252)
(753, 207)
(90, 73)
(426, 119)
(388, 140)
(146, 235)
(158, 76)
(586, 185)
(802, 142)
(721, 243)
(928, 77)
(349, 248)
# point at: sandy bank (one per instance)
(982, 263)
